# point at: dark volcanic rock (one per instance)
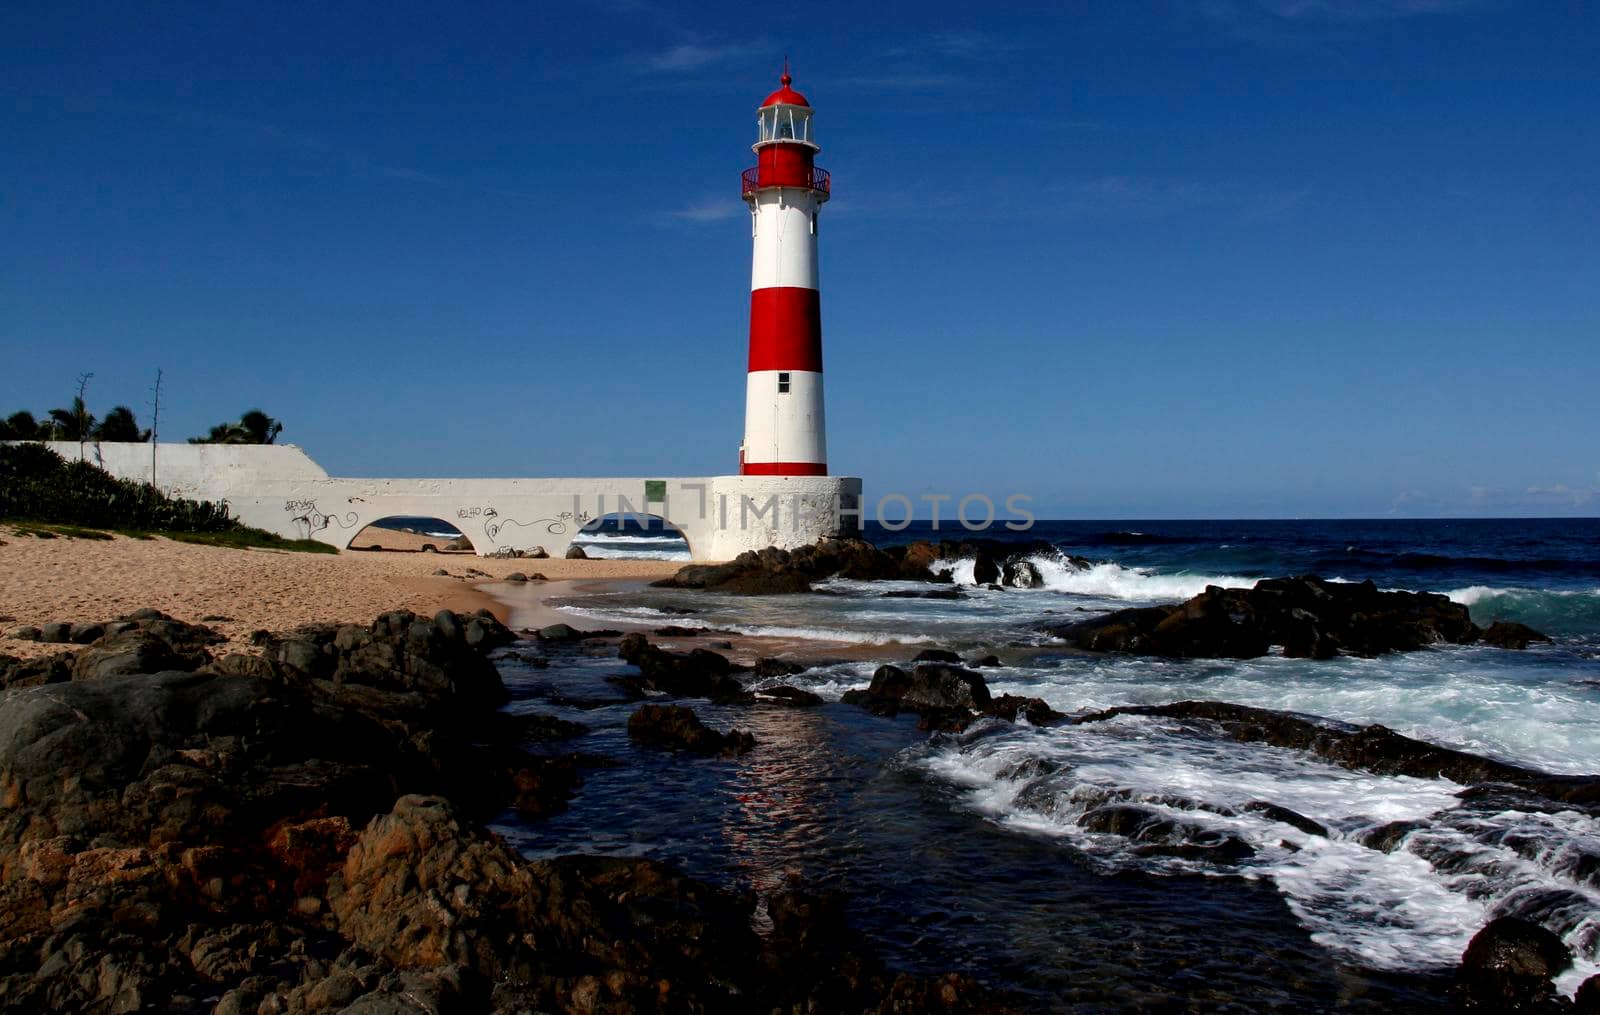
(676, 726)
(1021, 574)
(1386, 838)
(936, 655)
(792, 695)
(985, 571)
(1035, 710)
(946, 696)
(1308, 616)
(1587, 1000)
(773, 571)
(1294, 819)
(56, 669)
(700, 673)
(768, 667)
(1158, 835)
(245, 838)
(930, 594)
(943, 686)
(1511, 963)
(1508, 634)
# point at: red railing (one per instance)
(750, 180)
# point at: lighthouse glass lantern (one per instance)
(785, 123)
(784, 431)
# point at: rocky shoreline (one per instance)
(301, 827)
(301, 830)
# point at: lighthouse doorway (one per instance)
(632, 535)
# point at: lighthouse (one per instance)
(784, 431)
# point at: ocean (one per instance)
(962, 851)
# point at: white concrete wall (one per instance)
(277, 487)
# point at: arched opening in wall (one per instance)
(629, 535)
(412, 534)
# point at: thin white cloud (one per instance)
(691, 56)
(959, 45)
(1360, 10)
(712, 209)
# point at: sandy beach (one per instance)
(43, 580)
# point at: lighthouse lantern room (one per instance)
(784, 431)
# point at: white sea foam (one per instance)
(1410, 909)
(1107, 581)
(1113, 581)
(630, 614)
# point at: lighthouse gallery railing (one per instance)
(750, 180)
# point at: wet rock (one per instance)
(775, 571)
(1310, 617)
(767, 667)
(942, 686)
(1587, 999)
(676, 726)
(1158, 835)
(792, 695)
(576, 553)
(696, 674)
(1507, 634)
(516, 576)
(984, 662)
(1021, 574)
(985, 571)
(1512, 963)
(676, 631)
(944, 695)
(936, 655)
(1295, 819)
(1035, 710)
(1126, 631)
(1386, 838)
(947, 594)
(889, 684)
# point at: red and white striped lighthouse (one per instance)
(784, 433)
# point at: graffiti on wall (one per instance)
(308, 519)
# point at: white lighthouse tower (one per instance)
(784, 431)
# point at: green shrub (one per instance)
(38, 485)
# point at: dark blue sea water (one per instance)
(965, 851)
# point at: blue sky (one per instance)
(1216, 258)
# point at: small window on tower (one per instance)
(783, 384)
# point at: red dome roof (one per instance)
(785, 96)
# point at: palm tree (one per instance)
(120, 425)
(254, 427)
(261, 428)
(74, 424)
(20, 426)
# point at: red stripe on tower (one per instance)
(786, 329)
(784, 429)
